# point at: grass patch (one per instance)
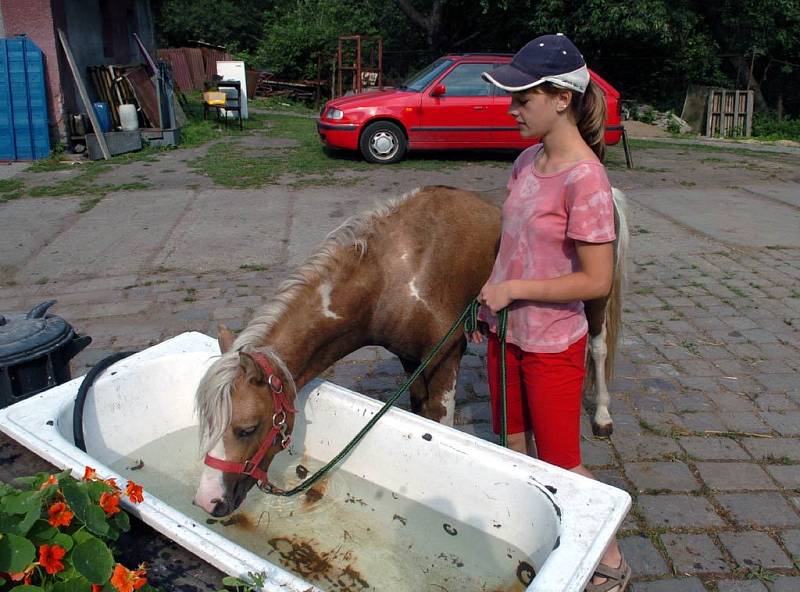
(283, 104)
(698, 147)
(11, 189)
(253, 267)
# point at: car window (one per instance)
(465, 81)
(423, 78)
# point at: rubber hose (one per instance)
(80, 398)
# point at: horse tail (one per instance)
(612, 312)
(613, 322)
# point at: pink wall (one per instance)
(38, 19)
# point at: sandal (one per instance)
(618, 578)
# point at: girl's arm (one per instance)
(592, 281)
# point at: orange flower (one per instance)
(110, 503)
(89, 474)
(126, 580)
(50, 557)
(97, 587)
(59, 515)
(51, 480)
(112, 483)
(134, 492)
(23, 576)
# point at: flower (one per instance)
(110, 503)
(97, 587)
(23, 576)
(50, 557)
(112, 483)
(134, 492)
(51, 480)
(126, 580)
(59, 515)
(89, 474)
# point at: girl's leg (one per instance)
(522, 442)
(518, 422)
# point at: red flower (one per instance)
(97, 587)
(112, 483)
(89, 474)
(23, 576)
(51, 480)
(126, 580)
(50, 557)
(134, 492)
(59, 515)
(110, 503)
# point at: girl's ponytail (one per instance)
(589, 111)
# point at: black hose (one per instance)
(80, 398)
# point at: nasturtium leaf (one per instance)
(41, 532)
(28, 588)
(96, 520)
(77, 499)
(73, 584)
(24, 525)
(93, 560)
(64, 540)
(16, 553)
(233, 581)
(81, 536)
(122, 521)
(22, 502)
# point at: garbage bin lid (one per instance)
(24, 337)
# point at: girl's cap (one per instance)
(549, 58)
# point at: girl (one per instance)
(556, 250)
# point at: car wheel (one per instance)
(383, 142)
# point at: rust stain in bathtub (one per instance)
(333, 568)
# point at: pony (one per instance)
(398, 277)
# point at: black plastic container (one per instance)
(35, 350)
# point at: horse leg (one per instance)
(435, 398)
(602, 424)
(419, 388)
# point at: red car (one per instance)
(445, 106)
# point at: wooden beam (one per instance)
(87, 104)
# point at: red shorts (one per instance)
(543, 395)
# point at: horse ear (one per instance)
(225, 337)
(252, 371)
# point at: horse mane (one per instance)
(213, 404)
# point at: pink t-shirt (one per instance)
(543, 216)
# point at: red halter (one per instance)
(282, 407)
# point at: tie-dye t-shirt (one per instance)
(543, 216)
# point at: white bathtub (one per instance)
(559, 522)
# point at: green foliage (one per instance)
(769, 127)
(54, 533)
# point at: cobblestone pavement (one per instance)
(706, 400)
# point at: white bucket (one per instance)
(128, 118)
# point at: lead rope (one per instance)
(470, 321)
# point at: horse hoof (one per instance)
(602, 431)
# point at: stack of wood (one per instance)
(119, 85)
(300, 90)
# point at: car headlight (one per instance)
(334, 113)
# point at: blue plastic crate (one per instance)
(24, 133)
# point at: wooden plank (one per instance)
(87, 104)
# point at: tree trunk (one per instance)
(430, 23)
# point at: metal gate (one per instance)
(24, 132)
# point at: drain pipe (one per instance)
(80, 398)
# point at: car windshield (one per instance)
(417, 82)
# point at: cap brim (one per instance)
(510, 79)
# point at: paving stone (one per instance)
(787, 423)
(772, 449)
(787, 382)
(786, 475)
(751, 549)
(672, 476)
(676, 511)
(740, 586)
(700, 422)
(734, 476)
(612, 477)
(743, 421)
(473, 412)
(596, 453)
(759, 509)
(728, 401)
(642, 556)
(791, 539)
(786, 584)
(694, 553)
(643, 447)
(671, 585)
(693, 402)
(711, 448)
(374, 384)
(364, 354)
(775, 403)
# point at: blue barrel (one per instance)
(24, 133)
(103, 115)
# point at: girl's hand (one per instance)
(475, 337)
(496, 296)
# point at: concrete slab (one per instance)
(120, 235)
(735, 217)
(11, 169)
(788, 193)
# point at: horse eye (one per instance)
(244, 432)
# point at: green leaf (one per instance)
(22, 502)
(232, 581)
(28, 588)
(113, 532)
(64, 540)
(74, 584)
(96, 489)
(41, 531)
(25, 524)
(77, 498)
(96, 520)
(16, 553)
(6, 489)
(93, 560)
(122, 521)
(81, 536)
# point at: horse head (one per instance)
(246, 417)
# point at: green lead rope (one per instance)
(469, 318)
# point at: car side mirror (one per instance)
(438, 90)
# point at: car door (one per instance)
(506, 131)
(458, 117)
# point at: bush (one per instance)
(54, 534)
(770, 127)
